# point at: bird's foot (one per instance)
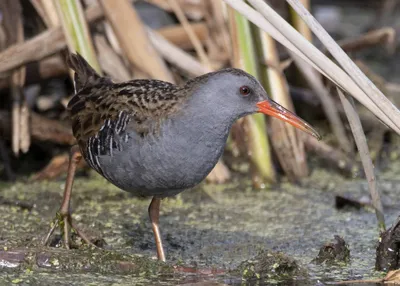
(65, 222)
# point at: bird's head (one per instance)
(234, 93)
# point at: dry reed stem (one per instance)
(42, 129)
(370, 90)
(37, 48)
(177, 56)
(299, 24)
(192, 36)
(219, 19)
(51, 15)
(288, 143)
(314, 80)
(76, 31)
(38, 5)
(133, 38)
(177, 35)
(392, 114)
(45, 44)
(254, 127)
(20, 113)
(112, 39)
(49, 67)
(53, 41)
(193, 9)
(219, 174)
(279, 29)
(25, 137)
(109, 61)
(16, 121)
(361, 142)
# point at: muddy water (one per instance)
(208, 232)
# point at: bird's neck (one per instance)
(204, 118)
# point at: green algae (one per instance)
(271, 266)
(334, 252)
(209, 227)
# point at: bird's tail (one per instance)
(85, 75)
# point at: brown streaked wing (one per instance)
(145, 101)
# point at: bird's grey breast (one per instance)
(178, 156)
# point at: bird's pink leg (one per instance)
(154, 213)
(64, 215)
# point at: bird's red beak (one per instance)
(270, 107)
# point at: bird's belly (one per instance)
(161, 167)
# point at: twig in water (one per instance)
(361, 142)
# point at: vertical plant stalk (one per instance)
(16, 104)
(255, 125)
(287, 142)
(298, 23)
(51, 14)
(314, 81)
(219, 17)
(361, 142)
(176, 55)
(109, 61)
(134, 41)
(38, 5)
(13, 26)
(189, 30)
(348, 104)
(76, 30)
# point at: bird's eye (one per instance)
(244, 90)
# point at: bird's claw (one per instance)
(65, 222)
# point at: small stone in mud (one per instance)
(11, 259)
(336, 251)
(271, 265)
(342, 202)
(99, 242)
